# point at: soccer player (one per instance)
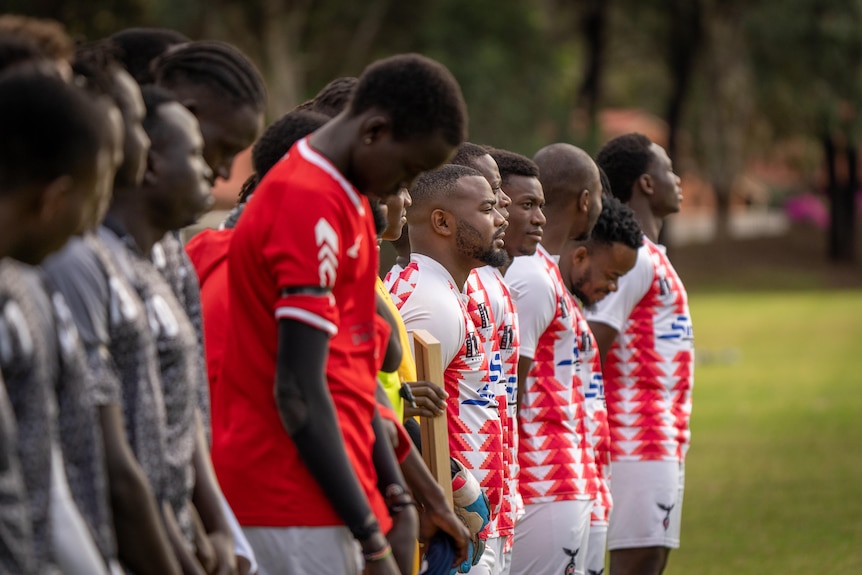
(644, 334)
(54, 154)
(312, 453)
(487, 305)
(454, 228)
(121, 353)
(591, 270)
(555, 478)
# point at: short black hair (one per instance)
(138, 48)
(625, 159)
(565, 171)
(335, 96)
(154, 98)
(420, 95)
(281, 135)
(466, 153)
(616, 224)
(430, 186)
(50, 128)
(218, 65)
(96, 62)
(379, 215)
(512, 164)
(607, 192)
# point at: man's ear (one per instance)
(442, 223)
(645, 183)
(151, 173)
(374, 126)
(580, 255)
(584, 201)
(53, 199)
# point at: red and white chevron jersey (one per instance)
(427, 298)
(648, 372)
(596, 418)
(551, 448)
(508, 342)
(481, 311)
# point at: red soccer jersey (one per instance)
(551, 448)
(305, 227)
(208, 251)
(648, 372)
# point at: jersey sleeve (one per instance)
(420, 312)
(305, 255)
(78, 276)
(535, 300)
(615, 309)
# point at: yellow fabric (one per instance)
(392, 381)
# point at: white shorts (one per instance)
(304, 550)
(647, 504)
(551, 537)
(491, 561)
(596, 549)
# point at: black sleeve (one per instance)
(385, 462)
(308, 415)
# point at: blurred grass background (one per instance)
(775, 469)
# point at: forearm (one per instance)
(186, 558)
(207, 493)
(300, 391)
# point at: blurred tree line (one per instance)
(734, 80)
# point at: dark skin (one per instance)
(176, 131)
(655, 195)
(364, 150)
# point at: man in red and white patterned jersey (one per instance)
(454, 228)
(487, 305)
(645, 337)
(557, 474)
(591, 270)
(305, 283)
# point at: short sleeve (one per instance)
(614, 310)
(305, 255)
(536, 301)
(436, 317)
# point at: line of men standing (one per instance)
(546, 297)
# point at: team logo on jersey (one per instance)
(483, 315)
(680, 329)
(596, 389)
(571, 568)
(471, 344)
(327, 254)
(507, 339)
(667, 509)
(585, 342)
(664, 287)
(564, 308)
(353, 251)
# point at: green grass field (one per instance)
(774, 475)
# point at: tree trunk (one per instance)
(593, 28)
(685, 40)
(842, 202)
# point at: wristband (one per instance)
(378, 555)
(396, 508)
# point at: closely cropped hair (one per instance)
(616, 225)
(48, 36)
(607, 192)
(138, 47)
(430, 186)
(420, 95)
(466, 153)
(154, 98)
(625, 159)
(50, 129)
(335, 96)
(95, 63)
(281, 135)
(218, 65)
(512, 164)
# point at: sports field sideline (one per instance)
(774, 475)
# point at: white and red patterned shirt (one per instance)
(551, 451)
(596, 418)
(648, 372)
(425, 294)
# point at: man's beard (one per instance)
(468, 240)
(578, 291)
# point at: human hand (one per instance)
(436, 518)
(222, 544)
(429, 398)
(402, 537)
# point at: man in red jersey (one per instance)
(302, 314)
(645, 340)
